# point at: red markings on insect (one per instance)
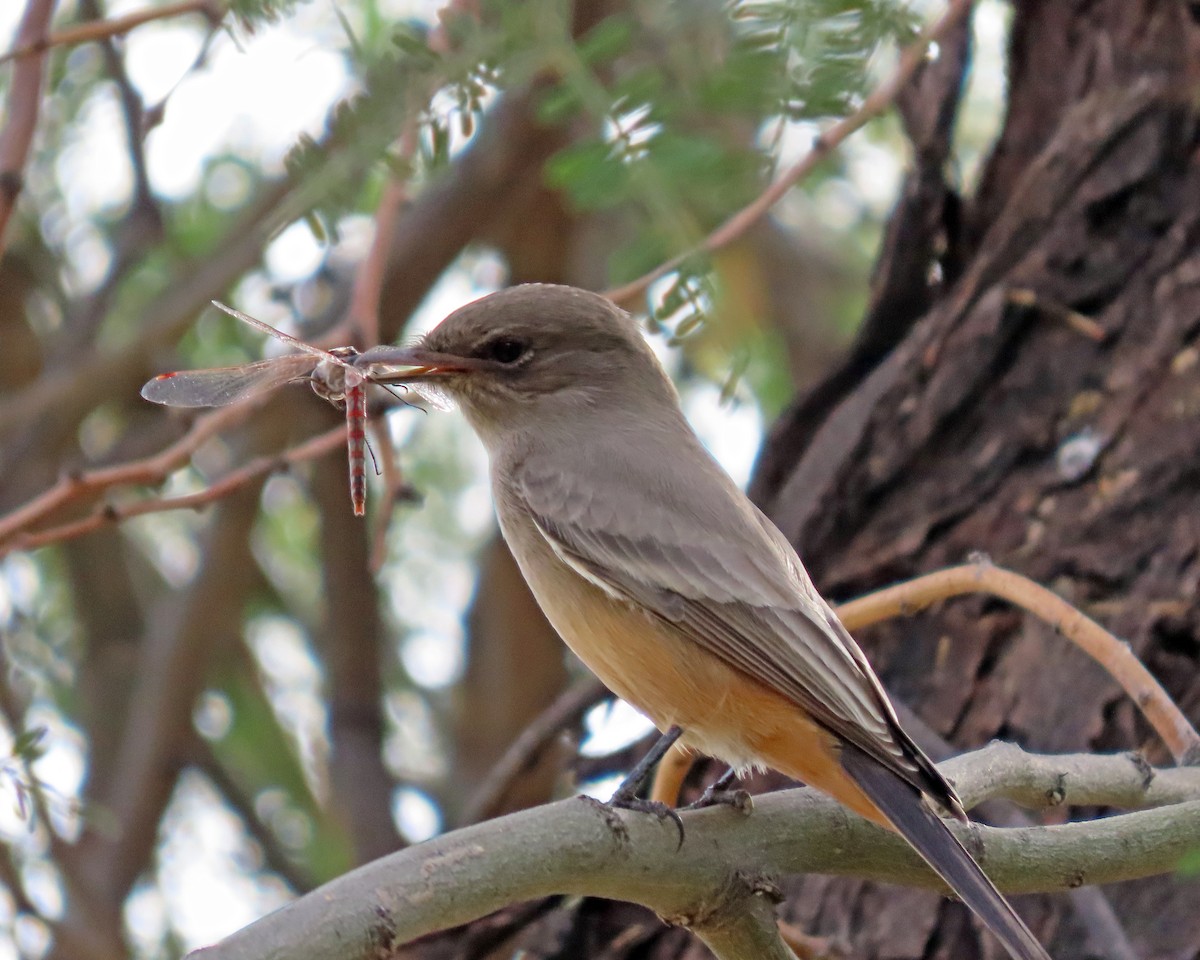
(339, 376)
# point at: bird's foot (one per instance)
(623, 801)
(723, 792)
(718, 796)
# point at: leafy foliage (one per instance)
(680, 103)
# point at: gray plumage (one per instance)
(642, 551)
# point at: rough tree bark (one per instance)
(1000, 428)
(982, 419)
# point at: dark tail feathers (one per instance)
(929, 835)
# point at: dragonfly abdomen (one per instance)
(356, 423)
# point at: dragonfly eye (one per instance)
(328, 382)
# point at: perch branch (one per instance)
(578, 847)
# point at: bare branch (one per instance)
(519, 757)
(880, 99)
(102, 29)
(151, 470)
(275, 856)
(582, 848)
(1112, 654)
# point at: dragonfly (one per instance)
(339, 375)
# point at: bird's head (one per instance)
(536, 356)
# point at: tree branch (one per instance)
(1112, 654)
(102, 29)
(152, 470)
(520, 756)
(879, 100)
(582, 848)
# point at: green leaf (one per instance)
(28, 744)
(558, 105)
(606, 41)
(590, 174)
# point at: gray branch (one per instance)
(721, 882)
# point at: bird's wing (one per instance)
(700, 556)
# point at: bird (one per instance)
(666, 580)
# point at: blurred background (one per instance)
(206, 711)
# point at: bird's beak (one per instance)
(408, 364)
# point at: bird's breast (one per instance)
(643, 660)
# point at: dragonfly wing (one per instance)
(284, 337)
(221, 386)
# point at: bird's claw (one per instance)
(654, 807)
(740, 800)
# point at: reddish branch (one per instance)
(362, 316)
(108, 514)
(24, 98)
(879, 100)
(1112, 654)
(150, 470)
(102, 29)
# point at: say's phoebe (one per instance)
(666, 580)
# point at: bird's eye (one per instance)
(503, 350)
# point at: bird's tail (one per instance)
(902, 805)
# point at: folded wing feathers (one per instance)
(736, 606)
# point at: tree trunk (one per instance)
(999, 425)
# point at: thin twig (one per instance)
(149, 470)
(396, 489)
(1079, 322)
(102, 29)
(1112, 654)
(362, 315)
(109, 514)
(879, 100)
(540, 733)
(275, 856)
